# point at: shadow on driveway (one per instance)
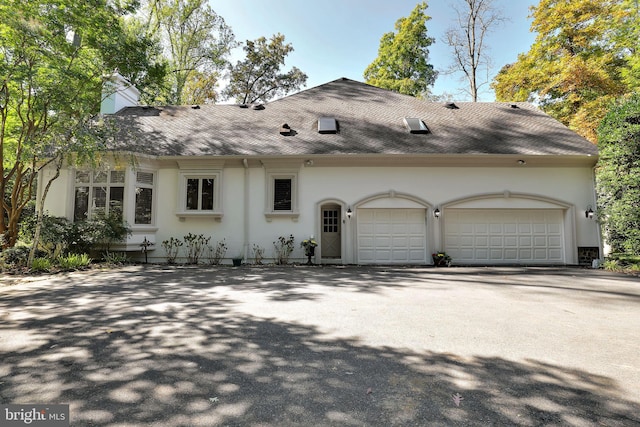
(160, 346)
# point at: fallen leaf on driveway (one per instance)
(369, 391)
(213, 399)
(457, 398)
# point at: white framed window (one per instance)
(199, 194)
(98, 193)
(145, 182)
(282, 194)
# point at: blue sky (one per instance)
(340, 38)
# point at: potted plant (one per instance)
(237, 260)
(309, 246)
(441, 259)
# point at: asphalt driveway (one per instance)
(182, 346)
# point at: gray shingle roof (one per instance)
(370, 121)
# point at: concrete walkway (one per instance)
(299, 346)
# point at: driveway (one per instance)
(265, 346)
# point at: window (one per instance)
(282, 194)
(199, 194)
(144, 198)
(98, 193)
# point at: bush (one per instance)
(216, 254)
(101, 232)
(15, 257)
(196, 244)
(116, 258)
(172, 248)
(74, 261)
(283, 246)
(41, 264)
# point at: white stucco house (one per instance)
(377, 177)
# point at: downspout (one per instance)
(246, 233)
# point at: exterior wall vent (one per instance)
(415, 125)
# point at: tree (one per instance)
(467, 40)
(258, 76)
(196, 41)
(402, 62)
(573, 69)
(53, 54)
(618, 176)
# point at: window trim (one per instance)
(271, 176)
(181, 209)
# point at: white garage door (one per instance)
(478, 236)
(391, 236)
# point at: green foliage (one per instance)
(196, 245)
(99, 233)
(258, 77)
(74, 261)
(196, 41)
(283, 247)
(14, 257)
(41, 265)
(618, 176)
(402, 62)
(116, 258)
(172, 248)
(55, 234)
(574, 68)
(52, 58)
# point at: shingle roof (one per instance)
(370, 121)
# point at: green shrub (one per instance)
(172, 248)
(41, 264)
(15, 257)
(116, 258)
(74, 261)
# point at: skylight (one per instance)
(415, 125)
(327, 125)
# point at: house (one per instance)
(377, 177)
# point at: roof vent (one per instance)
(243, 106)
(257, 107)
(285, 129)
(195, 107)
(415, 125)
(327, 125)
(451, 106)
(514, 106)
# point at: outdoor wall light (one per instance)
(589, 213)
(436, 213)
(349, 213)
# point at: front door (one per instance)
(330, 239)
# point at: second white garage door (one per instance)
(391, 236)
(519, 236)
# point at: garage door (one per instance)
(479, 236)
(391, 236)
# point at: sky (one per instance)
(340, 38)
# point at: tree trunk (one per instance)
(38, 230)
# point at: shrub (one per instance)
(41, 264)
(216, 254)
(116, 258)
(258, 254)
(15, 257)
(283, 246)
(101, 232)
(172, 248)
(74, 261)
(196, 244)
